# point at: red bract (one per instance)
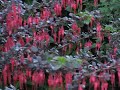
(57, 9)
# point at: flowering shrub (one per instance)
(57, 44)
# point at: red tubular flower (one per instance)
(81, 4)
(115, 50)
(57, 9)
(98, 45)
(28, 73)
(68, 79)
(12, 61)
(112, 79)
(64, 2)
(9, 76)
(15, 78)
(80, 87)
(118, 73)
(45, 14)
(77, 2)
(29, 58)
(76, 29)
(52, 29)
(29, 21)
(21, 41)
(95, 2)
(50, 80)
(41, 77)
(47, 38)
(92, 79)
(34, 80)
(60, 33)
(96, 85)
(98, 28)
(104, 86)
(74, 6)
(55, 37)
(88, 44)
(91, 21)
(70, 46)
(22, 80)
(4, 73)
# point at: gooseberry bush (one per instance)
(59, 45)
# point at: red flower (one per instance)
(22, 80)
(57, 9)
(55, 37)
(76, 29)
(51, 80)
(95, 2)
(45, 14)
(98, 45)
(112, 79)
(98, 28)
(80, 87)
(68, 78)
(12, 63)
(60, 33)
(92, 79)
(21, 41)
(81, 4)
(41, 77)
(96, 85)
(28, 73)
(74, 6)
(104, 86)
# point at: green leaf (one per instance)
(62, 60)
